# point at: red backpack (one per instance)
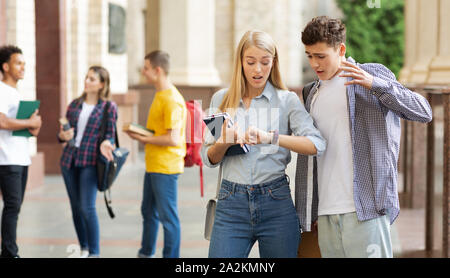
(194, 137)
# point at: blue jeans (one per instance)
(159, 204)
(81, 185)
(249, 213)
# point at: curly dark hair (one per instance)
(6, 52)
(324, 29)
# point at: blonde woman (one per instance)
(255, 203)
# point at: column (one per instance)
(76, 47)
(427, 26)
(446, 185)
(192, 54)
(440, 65)
(50, 77)
(17, 26)
(107, 31)
(291, 65)
(224, 44)
(152, 25)
(282, 20)
(3, 25)
(411, 25)
(99, 52)
(136, 39)
(3, 22)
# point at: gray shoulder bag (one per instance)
(211, 208)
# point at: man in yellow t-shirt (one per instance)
(164, 158)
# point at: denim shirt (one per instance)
(273, 109)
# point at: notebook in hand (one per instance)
(136, 128)
(26, 109)
(214, 123)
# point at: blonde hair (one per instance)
(237, 89)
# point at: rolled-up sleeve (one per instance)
(301, 123)
(208, 138)
(208, 142)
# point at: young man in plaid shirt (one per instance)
(357, 108)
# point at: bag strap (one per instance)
(104, 125)
(219, 181)
(306, 90)
(201, 180)
(108, 203)
(107, 193)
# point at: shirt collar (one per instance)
(268, 92)
(351, 60)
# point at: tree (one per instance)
(375, 31)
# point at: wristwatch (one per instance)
(275, 137)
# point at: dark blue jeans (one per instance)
(249, 213)
(81, 185)
(159, 204)
(13, 180)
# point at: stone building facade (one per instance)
(62, 38)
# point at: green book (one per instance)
(26, 109)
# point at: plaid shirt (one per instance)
(86, 154)
(375, 134)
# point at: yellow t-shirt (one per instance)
(168, 111)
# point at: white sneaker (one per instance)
(84, 254)
(142, 256)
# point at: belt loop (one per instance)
(288, 179)
(233, 188)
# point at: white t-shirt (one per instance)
(329, 109)
(14, 150)
(83, 119)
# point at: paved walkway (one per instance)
(45, 228)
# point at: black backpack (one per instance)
(306, 90)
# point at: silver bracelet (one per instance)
(275, 137)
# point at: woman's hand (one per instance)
(65, 135)
(230, 135)
(255, 136)
(106, 149)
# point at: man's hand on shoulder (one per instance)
(360, 76)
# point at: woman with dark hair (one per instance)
(78, 161)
